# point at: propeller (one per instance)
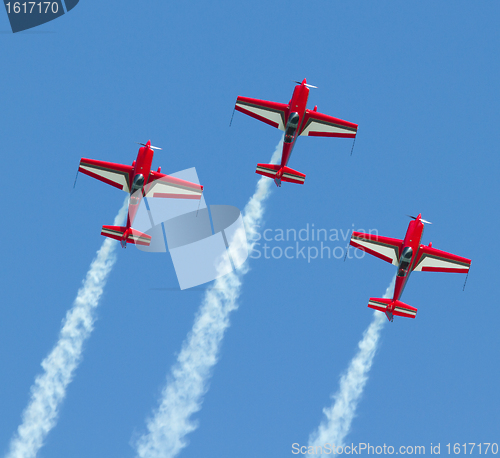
(421, 219)
(152, 147)
(305, 84)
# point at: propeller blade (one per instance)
(152, 147)
(308, 85)
(423, 220)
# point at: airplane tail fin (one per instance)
(392, 308)
(125, 235)
(280, 174)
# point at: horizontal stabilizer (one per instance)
(392, 308)
(280, 174)
(268, 170)
(292, 176)
(123, 234)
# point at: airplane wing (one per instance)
(117, 175)
(165, 186)
(431, 260)
(320, 125)
(384, 248)
(271, 113)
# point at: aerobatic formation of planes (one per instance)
(294, 119)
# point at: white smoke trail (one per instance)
(182, 396)
(337, 424)
(49, 389)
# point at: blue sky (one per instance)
(420, 79)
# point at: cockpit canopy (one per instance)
(291, 127)
(404, 261)
(138, 183)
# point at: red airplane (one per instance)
(140, 181)
(408, 255)
(295, 119)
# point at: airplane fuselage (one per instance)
(296, 111)
(140, 177)
(408, 255)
